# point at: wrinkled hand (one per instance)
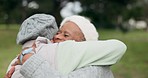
(10, 72)
(17, 62)
(26, 57)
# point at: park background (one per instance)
(125, 20)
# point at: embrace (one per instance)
(72, 51)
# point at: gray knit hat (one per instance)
(37, 25)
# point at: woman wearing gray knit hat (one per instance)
(86, 37)
(71, 55)
(42, 25)
(45, 26)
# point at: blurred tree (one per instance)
(57, 5)
(144, 5)
(45, 6)
(7, 8)
(110, 13)
(103, 13)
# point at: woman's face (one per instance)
(69, 31)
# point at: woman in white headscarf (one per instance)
(82, 55)
(44, 25)
(98, 53)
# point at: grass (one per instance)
(8, 47)
(134, 63)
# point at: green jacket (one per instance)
(72, 55)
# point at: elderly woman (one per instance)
(80, 55)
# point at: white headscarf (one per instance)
(87, 28)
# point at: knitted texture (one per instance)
(37, 25)
(37, 67)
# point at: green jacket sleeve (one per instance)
(72, 55)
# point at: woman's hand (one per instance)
(10, 72)
(26, 57)
(26, 54)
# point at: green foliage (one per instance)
(8, 7)
(12, 11)
(105, 13)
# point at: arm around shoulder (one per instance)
(110, 51)
(37, 67)
(118, 50)
(102, 52)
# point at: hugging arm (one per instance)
(106, 52)
(111, 51)
(37, 67)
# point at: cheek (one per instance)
(69, 38)
(79, 38)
